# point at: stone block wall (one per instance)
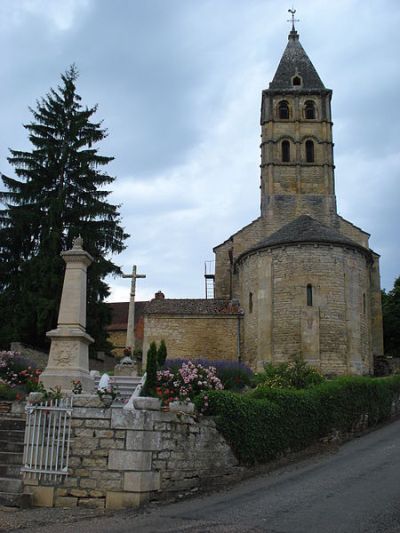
(121, 458)
(202, 336)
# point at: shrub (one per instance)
(233, 375)
(162, 353)
(18, 370)
(294, 374)
(151, 371)
(265, 423)
(186, 382)
(7, 393)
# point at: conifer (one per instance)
(151, 370)
(161, 353)
(59, 193)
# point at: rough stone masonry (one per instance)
(120, 458)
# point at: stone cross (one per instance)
(130, 331)
(69, 356)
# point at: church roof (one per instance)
(305, 229)
(119, 314)
(198, 306)
(295, 61)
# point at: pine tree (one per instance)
(58, 194)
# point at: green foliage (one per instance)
(266, 423)
(60, 191)
(391, 320)
(151, 371)
(162, 353)
(295, 374)
(7, 393)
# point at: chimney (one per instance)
(159, 295)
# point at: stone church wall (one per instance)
(209, 337)
(241, 241)
(333, 333)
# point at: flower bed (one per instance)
(186, 382)
(232, 374)
(18, 375)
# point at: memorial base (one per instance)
(68, 360)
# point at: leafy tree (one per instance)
(59, 193)
(391, 320)
(162, 353)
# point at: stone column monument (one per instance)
(69, 357)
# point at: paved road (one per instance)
(354, 490)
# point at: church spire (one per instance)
(295, 65)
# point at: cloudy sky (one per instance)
(178, 83)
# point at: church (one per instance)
(299, 280)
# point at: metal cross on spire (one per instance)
(293, 20)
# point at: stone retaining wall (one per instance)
(122, 458)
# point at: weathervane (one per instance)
(293, 20)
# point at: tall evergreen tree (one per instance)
(391, 320)
(58, 194)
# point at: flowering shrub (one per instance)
(77, 386)
(186, 382)
(18, 370)
(233, 375)
(295, 374)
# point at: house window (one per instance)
(309, 151)
(309, 109)
(283, 109)
(309, 295)
(285, 151)
(296, 81)
(250, 302)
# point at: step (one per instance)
(20, 499)
(9, 499)
(12, 435)
(12, 423)
(12, 446)
(12, 471)
(11, 458)
(8, 484)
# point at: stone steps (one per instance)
(8, 423)
(12, 431)
(11, 445)
(124, 385)
(12, 435)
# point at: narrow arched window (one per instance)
(309, 295)
(296, 81)
(250, 302)
(283, 109)
(364, 305)
(285, 151)
(309, 108)
(309, 151)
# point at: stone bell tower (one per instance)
(306, 279)
(297, 170)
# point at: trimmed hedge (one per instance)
(266, 423)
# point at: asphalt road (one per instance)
(356, 489)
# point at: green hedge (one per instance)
(266, 423)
